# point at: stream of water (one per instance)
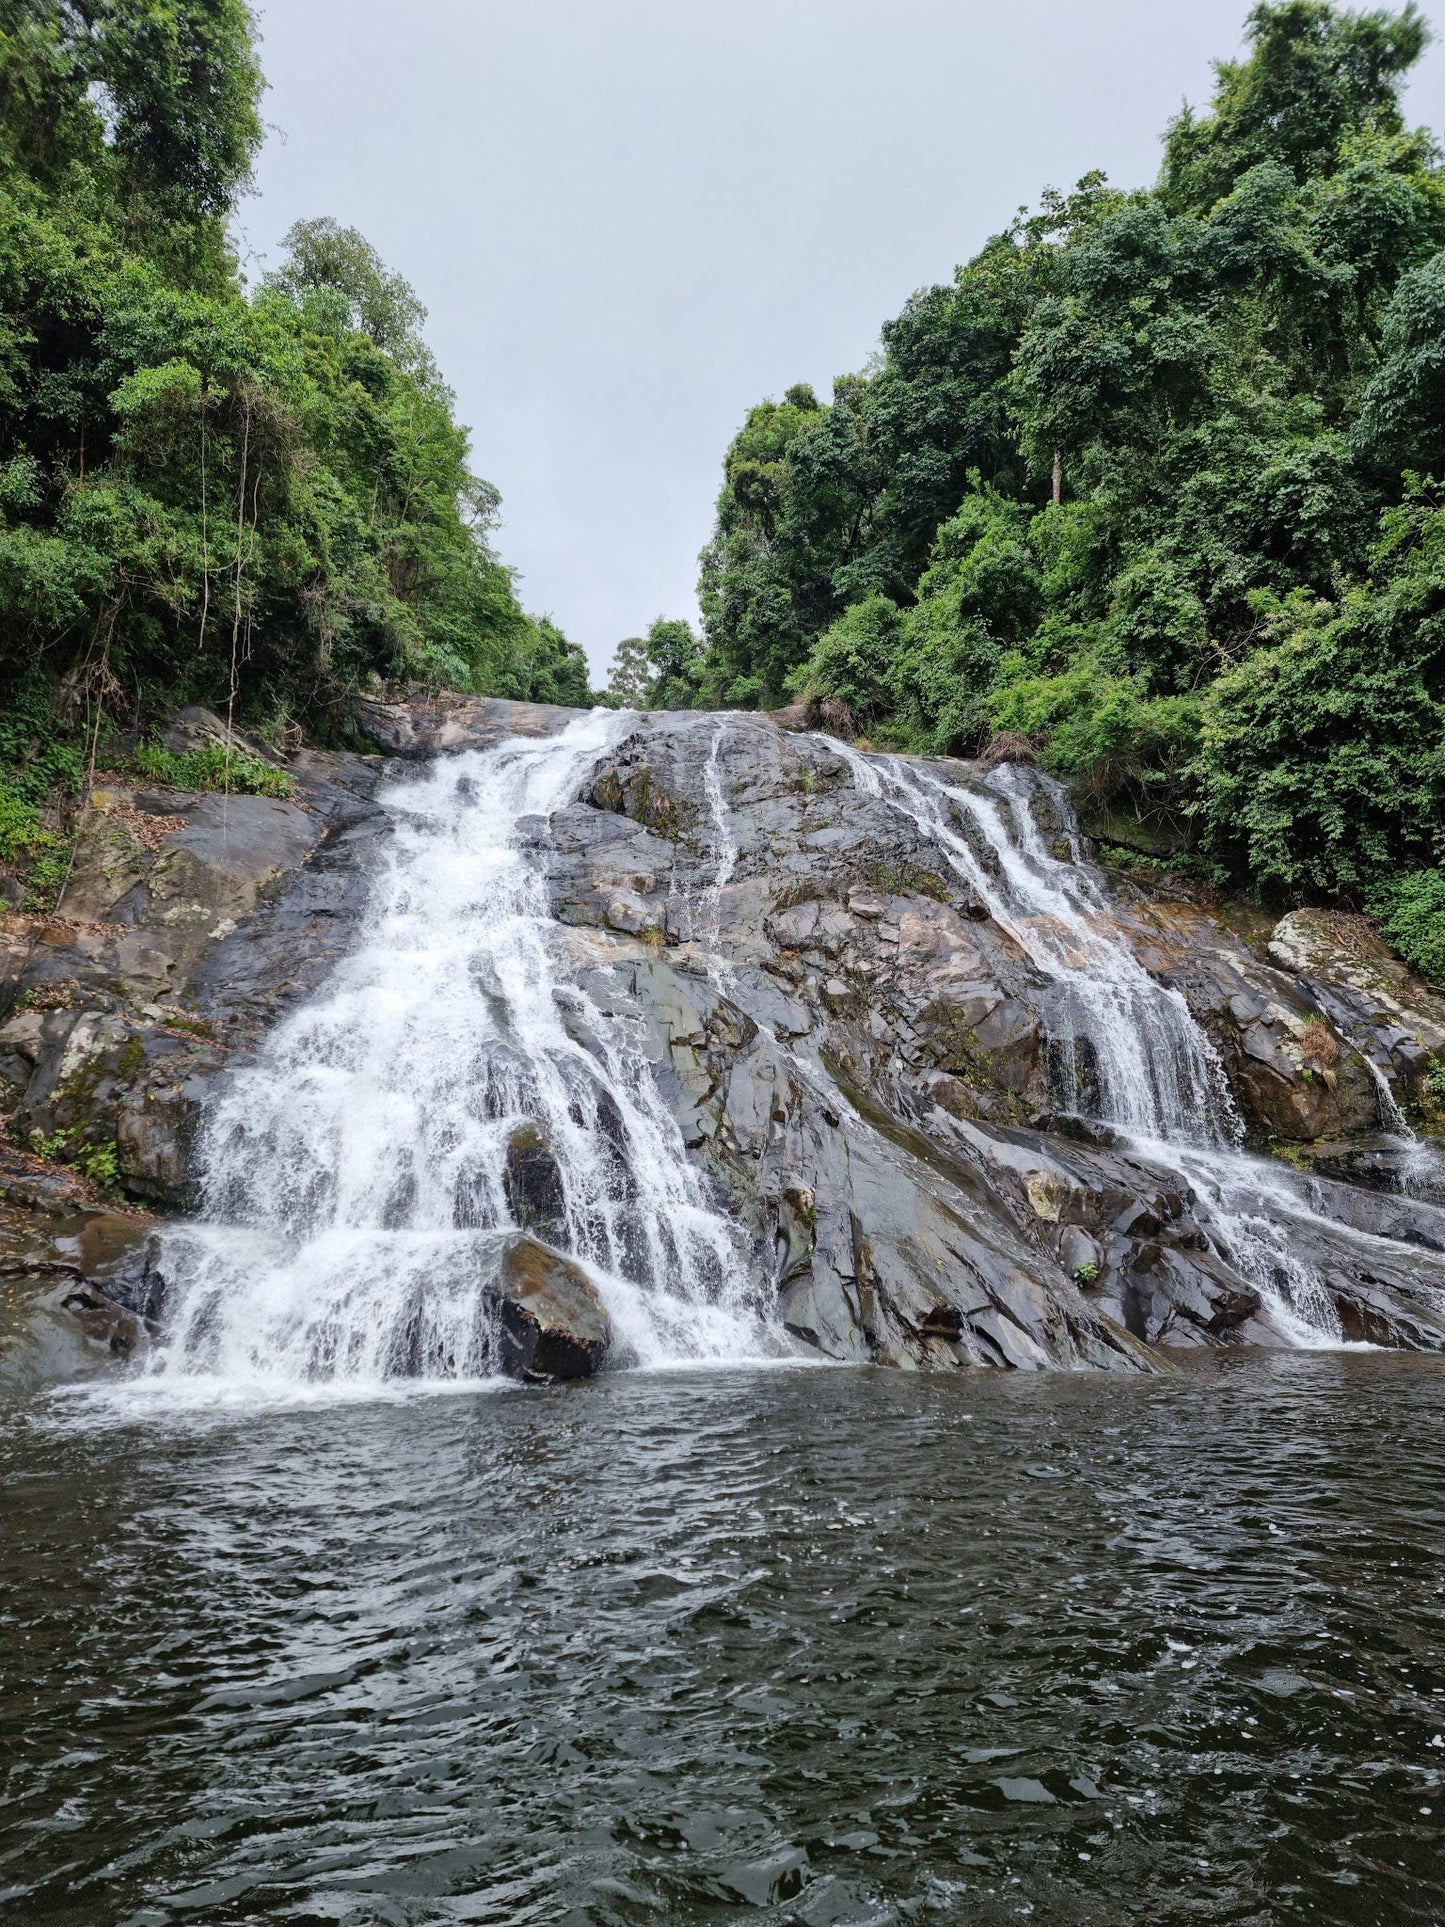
(356, 1176)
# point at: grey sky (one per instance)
(631, 219)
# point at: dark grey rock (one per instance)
(853, 1050)
(551, 1323)
(533, 1184)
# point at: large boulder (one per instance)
(425, 722)
(1388, 1012)
(551, 1324)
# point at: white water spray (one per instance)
(357, 1181)
(1125, 1049)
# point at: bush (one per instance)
(211, 767)
(1411, 910)
(1322, 764)
(855, 658)
(1102, 727)
(27, 847)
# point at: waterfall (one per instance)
(356, 1177)
(706, 925)
(1418, 1173)
(1124, 1050)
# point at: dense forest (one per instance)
(254, 498)
(1155, 480)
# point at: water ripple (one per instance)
(814, 1648)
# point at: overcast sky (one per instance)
(631, 219)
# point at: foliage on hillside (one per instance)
(259, 500)
(1234, 384)
(656, 671)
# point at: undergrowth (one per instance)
(98, 1164)
(1411, 910)
(211, 767)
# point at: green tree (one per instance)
(260, 502)
(323, 258)
(856, 658)
(1402, 417)
(1137, 482)
(1322, 765)
(547, 668)
(1316, 76)
(143, 112)
(658, 670)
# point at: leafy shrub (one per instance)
(854, 659)
(98, 1164)
(1101, 726)
(211, 767)
(1411, 910)
(1322, 762)
(38, 854)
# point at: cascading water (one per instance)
(1125, 1050)
(1418, 1170)
(356, 1178)
(1419, 1173)
(707, 925)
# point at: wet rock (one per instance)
(425, 722)
(851, 1048)
(634, 788)
(1294, 1074)
(1081, 1256)
(533, 1183)
(55, 1329)
(551, 1323)
(927, 1241)
(392, 727)
(117, 1257)
(72, 1301)
(1387, 1012)
(178, 942)
(202, 871)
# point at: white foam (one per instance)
(355, 1175)
(1126, 1050)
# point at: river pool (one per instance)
(795, 1645)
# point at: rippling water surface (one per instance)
(803, 1646)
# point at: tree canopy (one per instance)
(256, 499)
(1155, 478)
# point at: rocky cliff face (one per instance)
(863, 1058)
